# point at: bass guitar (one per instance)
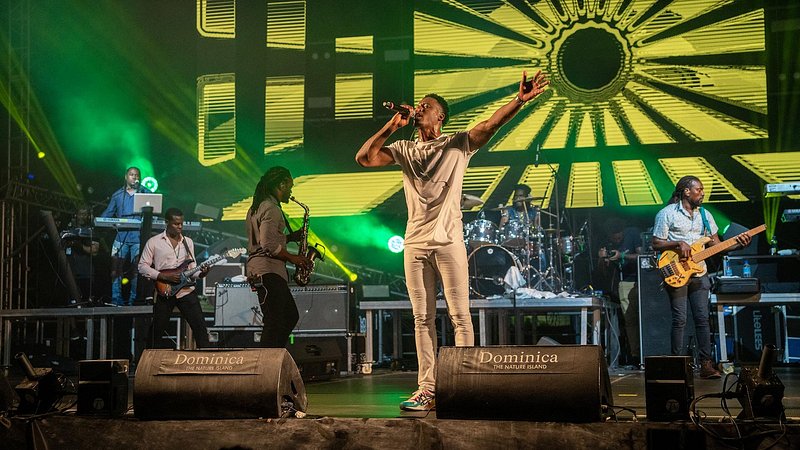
(166, 289)
(677, 272)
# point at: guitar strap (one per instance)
(188, 252)
(706, 226)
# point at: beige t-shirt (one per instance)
(433, 175)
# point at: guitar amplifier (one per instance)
(323, 309)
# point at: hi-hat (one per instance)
(470, 201)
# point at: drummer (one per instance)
(520, 207)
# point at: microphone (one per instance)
(136, 185)
(397, 108)
(536, 161)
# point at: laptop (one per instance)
(141, 200)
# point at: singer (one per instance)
(125, 249)
(433, 169)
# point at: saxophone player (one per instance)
(267, 256)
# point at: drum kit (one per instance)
(540, 257)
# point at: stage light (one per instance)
(150, 183)
(353, 276)
(30, 176)
(125, 280)
(40, 155)
(396, 244)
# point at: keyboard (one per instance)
(134, 223)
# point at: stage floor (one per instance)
(362, 412)
(378, 395)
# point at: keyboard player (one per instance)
(125, 250)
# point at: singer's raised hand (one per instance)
(530, 89)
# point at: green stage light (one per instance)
(40, 155)
(150, 183)
(396, 244)
(353, 276)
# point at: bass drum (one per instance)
(488, 266)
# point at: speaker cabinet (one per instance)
(236, 306)
(247, 383)
(317, 358)
(669, 387)
(324, 309)
(655, 314)
(564, 383)
(103, 387)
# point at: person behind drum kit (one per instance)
(125, 249)
(617, 275)
(433, 169)
(678, 225)
(267, 256)
(521, 207)
(162, 254)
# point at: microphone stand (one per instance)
(555, 195)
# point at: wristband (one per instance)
(519, 100)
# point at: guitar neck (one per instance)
(724, 245)
(198, 267)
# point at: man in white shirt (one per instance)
(433, 168)
(161, 256)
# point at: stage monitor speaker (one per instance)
(655, 314)
(564, 383)
(669, 387)
(103, 387)
(225, 384)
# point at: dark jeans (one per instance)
(695, 293)
(189, 306)
(279, 310)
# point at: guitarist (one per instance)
(165, 251)
(679, 224)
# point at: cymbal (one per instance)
(502, 207)
(470, 201)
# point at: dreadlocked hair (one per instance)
(680, 186)
(269, 181)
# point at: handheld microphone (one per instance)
(398, 109)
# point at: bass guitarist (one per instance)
(162, 254)
(682, 222)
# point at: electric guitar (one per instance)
(677, 272)
(166, 289)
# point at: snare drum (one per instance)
(480, 232)
(514, 234)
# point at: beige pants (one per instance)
(422, 268)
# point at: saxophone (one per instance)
(301, 276)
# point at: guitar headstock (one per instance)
(235, 252)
